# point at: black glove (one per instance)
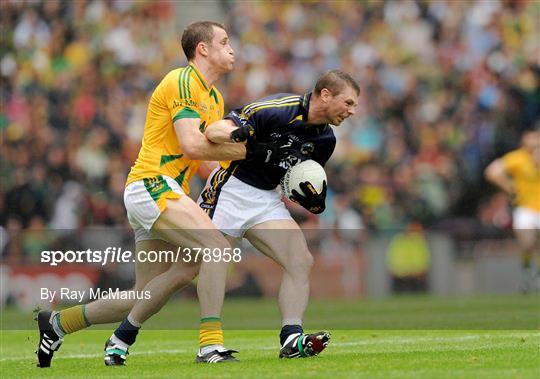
(264, 152)
(243, 133)
(312, 201)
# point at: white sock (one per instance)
(117, 342)
(209, 348)
(133, 322)
(291, 321)
(55, 322)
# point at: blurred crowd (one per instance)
(76, 78)
(446, 87)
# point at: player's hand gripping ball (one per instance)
(305, 184)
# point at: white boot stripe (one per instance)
(216, 358)
(45, 350)
(55, 345)
(291, 337)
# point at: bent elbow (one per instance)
(192, 152)
(492, 172)
(211, 133)
(193, 155)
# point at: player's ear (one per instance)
(326, 95)
(202, 48)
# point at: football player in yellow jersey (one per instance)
(518, 174)
(162, 215)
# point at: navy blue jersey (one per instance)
(282, 118)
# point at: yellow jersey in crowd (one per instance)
(525, 174)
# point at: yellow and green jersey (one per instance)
(526, 176)
(183, 93)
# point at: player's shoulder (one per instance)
(277, 105)
(178, 77)
(515, 155)
(169, 81)
(282, 96)
(515, 160)
(329, 130)
(173, 75)
(328, 135)
(277, 100)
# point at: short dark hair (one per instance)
(200, 31)
(335, 81)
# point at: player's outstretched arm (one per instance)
(196, 146)
(220, 131)
(496, 173)
(226, 131)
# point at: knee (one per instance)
(301, 263)
(183, 275)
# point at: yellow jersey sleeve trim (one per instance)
(186, 113)
(184, 81)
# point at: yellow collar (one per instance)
(199, 76)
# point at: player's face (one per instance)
(341, 106)
(220, 53)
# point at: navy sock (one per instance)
(127, 332)
(287, 330)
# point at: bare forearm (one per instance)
(220, 131)
(208, 151)
(195, 144)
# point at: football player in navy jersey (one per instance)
(244, 201)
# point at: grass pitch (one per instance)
(379, 351)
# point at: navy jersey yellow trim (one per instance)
(282, 118)
(210, 195)
(249, 109)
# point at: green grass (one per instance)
(415, 354)
(366, 345)
(395, 313)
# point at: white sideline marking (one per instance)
(373, 341)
